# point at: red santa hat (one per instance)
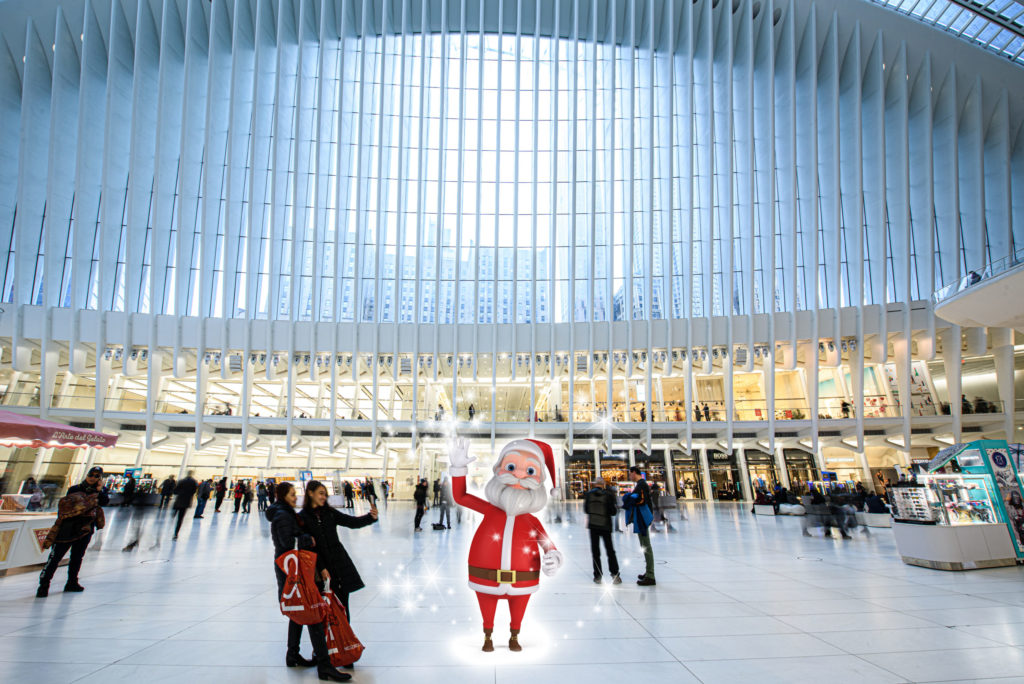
(540, 450)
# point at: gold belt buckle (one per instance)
(506, 573)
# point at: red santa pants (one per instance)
(489, 604)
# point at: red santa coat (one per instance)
(503, 542)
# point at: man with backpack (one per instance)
(599, 505)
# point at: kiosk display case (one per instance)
(964, 512)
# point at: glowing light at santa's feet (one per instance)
(538, 644)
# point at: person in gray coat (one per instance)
(599, 505)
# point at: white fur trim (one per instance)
(458, 471)
(522, 445)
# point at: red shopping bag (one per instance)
(301, 600)
(342, 645)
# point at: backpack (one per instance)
(596, 505)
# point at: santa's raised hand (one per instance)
(551, 562)
(458, 457)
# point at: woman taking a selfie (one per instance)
(322, 522)
(286, 528)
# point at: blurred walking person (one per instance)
(446, 502)
(203, 495)
(420, 497)
(239, 492)
(222, 490)
(247, 497)
(349, 495)
(261, 496)
(183, 494)
(166, 490)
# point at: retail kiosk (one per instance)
(21, 532)
(964, 512)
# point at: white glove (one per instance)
(551, 562)
(459, 458)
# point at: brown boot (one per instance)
(513, 641)
(488, 644)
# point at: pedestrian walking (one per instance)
(239, 492)
(420, 497)
(247, 497)
(639, 514)
(371, 492)
(286, 529)
(128, 494)
(203, 495)
(78, 515)
(437, 492)
(446, 502)
(322, 521)
(183, 494)
(385, 491)
(599, 505)
(261, 496)
(167, 490)
(349, 495)
(222, 490)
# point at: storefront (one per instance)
(579, 473)
(725, 477)
(801, 468)
(763, 474)
(686, 471)
(614, 469)
(653, 467)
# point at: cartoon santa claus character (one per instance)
(505, 561)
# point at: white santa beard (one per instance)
(512, 500)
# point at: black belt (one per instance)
(504, 576)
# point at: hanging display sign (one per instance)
(1010, 490)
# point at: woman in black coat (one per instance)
(286, 529)
(322, 522)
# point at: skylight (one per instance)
(996, 25)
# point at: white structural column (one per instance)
(865, 469)
(780, 466)
(741, 463)
(670, 479)
(229, 460)
(186, 456)
(705, 474)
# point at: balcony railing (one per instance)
(995, 268)
(744, 410)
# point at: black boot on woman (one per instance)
(295, 659)
(328, 673)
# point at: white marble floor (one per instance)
(739, 598)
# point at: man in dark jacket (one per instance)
(167, 490)
(437, 492)
(350, 494)
(74, 535)
(420, 496)
(203, 496)
(183, 494)
(639, 498)
(599, 505)
(128, 495)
